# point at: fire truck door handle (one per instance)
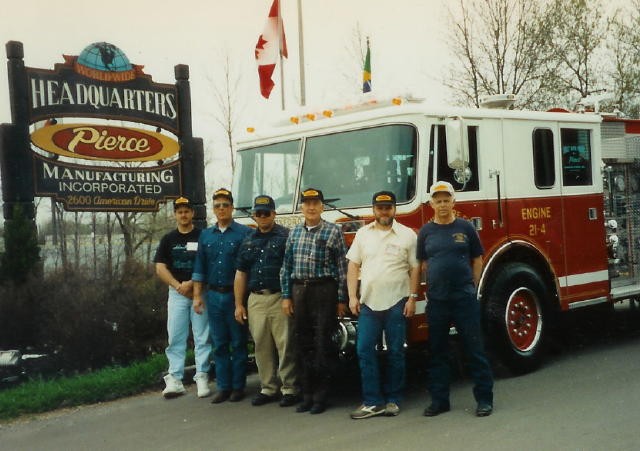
(496, 173)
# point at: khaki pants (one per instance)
(272, 333)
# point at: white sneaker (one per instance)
(392, 409)
(174, 387)
(202, 382)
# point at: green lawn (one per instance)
(37, 396)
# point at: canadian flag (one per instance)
(271, 44)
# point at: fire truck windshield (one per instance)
(348, 166)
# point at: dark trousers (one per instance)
(464, 313)
(314, 314)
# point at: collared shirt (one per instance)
(319, 252)
(261, 256)
(385, 258)
(217, 251)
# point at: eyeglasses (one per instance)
(222, 205)
(262, 214)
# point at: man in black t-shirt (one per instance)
(174, 265)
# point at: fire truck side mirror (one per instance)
(457, 155)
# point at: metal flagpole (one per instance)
(301, 52)
(280, 53)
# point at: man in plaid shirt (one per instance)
(313, 280)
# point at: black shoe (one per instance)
(304, 407)
(436, 409)
(317, 407)
(261, 399)
(236, 395)
(220, 396)
(289, 400)
(484, 409)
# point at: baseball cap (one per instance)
(384, 198)
(223, 192)
(312, 194)
(264, 203)
(181, 202)
(441, 187)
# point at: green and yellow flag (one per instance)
(366, 72)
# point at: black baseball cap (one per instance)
(264, 203)
(384, 198)
(182, 202)
(223, 192)
(312, 194)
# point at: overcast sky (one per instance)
(407, 40)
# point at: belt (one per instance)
(313, 281)
(221, 288)
(266, 291)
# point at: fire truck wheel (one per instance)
(515, 317)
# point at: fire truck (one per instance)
(554, 196)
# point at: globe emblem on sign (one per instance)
(105, 57)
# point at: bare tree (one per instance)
(500, 46)
(623, 45)
(227, 97)
(356, 51)
(580, 30)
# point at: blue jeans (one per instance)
(370, 325)
(464, 313)
(179, 313)
(229, 341)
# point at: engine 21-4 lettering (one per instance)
(537, 229)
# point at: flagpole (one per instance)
(301, 52)
(280, 54)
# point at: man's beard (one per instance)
(384, 221)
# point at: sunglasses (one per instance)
(222, 205)
(262, 214)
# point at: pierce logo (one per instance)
(101, 142)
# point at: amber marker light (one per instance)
(396, 101)
(327, 113)
(250, 129)
(311, 116)
(294, 119)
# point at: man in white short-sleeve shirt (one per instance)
(383, 256)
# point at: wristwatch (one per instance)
(414, 295)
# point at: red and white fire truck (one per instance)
(555, 197)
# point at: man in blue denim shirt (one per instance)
(215, 268)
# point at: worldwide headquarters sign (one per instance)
(86, 152)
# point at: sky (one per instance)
(408, 51)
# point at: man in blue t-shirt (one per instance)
(450, 251)
(174, 265)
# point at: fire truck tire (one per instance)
(516, 317)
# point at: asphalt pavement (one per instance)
(585, 397)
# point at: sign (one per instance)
(70, 91)
(103, 142)
(106, 188)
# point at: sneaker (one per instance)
(174, 387)
(392, 409)
(484, 409)
(367, 411)
(202, 382)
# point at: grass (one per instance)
(38, 396)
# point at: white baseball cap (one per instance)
(441, 187)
